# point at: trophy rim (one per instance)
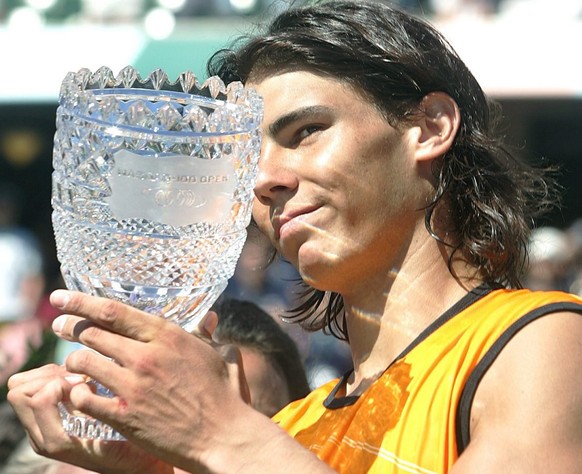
(78, 88)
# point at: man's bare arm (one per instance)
(527, 412)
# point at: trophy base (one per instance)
(80, 425)
(83, 426)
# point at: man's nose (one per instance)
(276, 173)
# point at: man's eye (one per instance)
(306, 132)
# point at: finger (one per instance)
(76, 325)
(113, 315)
(100, 339)
(101, 369)
(45, 408)
(31, 387)
(20, 399)
(112, 410)
(49, 370)
(36, 404)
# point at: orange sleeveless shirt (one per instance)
(415, 417)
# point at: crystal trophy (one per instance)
(151, 193)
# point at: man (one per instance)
(382, 182)
(272, 363)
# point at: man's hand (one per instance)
(35, 396)
(175, 393)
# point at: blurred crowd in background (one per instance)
(556, 259)
(17, 11)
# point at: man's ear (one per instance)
(438, 124)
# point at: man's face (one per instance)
(337, 189)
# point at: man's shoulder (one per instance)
(511, 305)
(530, 398)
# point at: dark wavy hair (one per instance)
(491, 195)
(246, 324)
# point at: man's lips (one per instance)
(281, 220)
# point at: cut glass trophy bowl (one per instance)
(151, 193)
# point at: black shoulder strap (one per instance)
(464, 408)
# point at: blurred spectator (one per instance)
(419, 7)
(111, 11)
(327, 358)
(10, 205)
(271, 360)
(550, 257)
(451, 9)
(546, 10)
(21, 289)
(24, 343)
(574, 236)
(256, 279)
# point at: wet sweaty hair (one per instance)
(491, 196)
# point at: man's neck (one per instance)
(383, 322)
